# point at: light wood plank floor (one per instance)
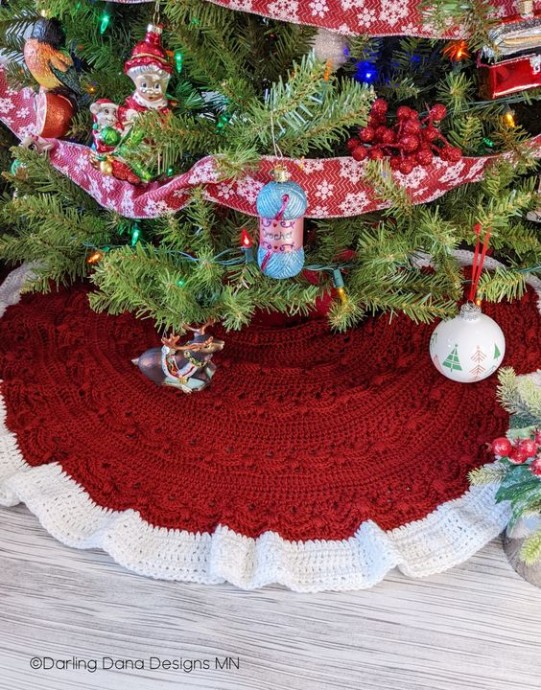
(475, 627)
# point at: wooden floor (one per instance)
(477, 627)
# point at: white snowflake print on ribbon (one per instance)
(354, 204)
(285, 9)
(318, 212)
(180, 193)
(157, 208)
(249, 188)
(351, 169)
(226, 190)
(312, 166)
(126, 205)
(203, 172)
(324, 189)
(95, 190)
(350, 4)
(413, 179)
(6, 104)
(108, 183)
(434, 195)
(82, 162)
(476, 171)
(454, 173)
(319, 8)
(392, 11)
(242, 5)
(366, 17)
(26, 131)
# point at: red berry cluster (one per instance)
(520, 451)
(412, 141)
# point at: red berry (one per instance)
(388, 137)
(404, 113)
(395, 162)
(379, 107)
(517, 456)
(410, 144)
(373, 121)
(424, 157)
(380, 132)
(438, 112)
(501, 446)
(535, 467)
(528, 446)
(412, 127)
(538, 438)
(360, 153)
(367, 134)
(431, 133)
(406, 166)
(376, 154)
(451, 154)
(352, 143)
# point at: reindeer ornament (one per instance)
(188, 367)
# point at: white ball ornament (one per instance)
(328, 45)
(468, 348)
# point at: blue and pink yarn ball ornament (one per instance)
(281, 205)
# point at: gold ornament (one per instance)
(106, 167)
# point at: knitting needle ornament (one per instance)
(281, 205)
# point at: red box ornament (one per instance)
(512, 62)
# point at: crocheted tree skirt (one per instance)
(315, 460)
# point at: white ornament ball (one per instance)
(469, 347)
(328, 45)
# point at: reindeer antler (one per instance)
(201, 330)
(172, 342)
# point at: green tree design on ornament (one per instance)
(452, 362)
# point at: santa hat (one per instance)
(149, 53)
(104, 101)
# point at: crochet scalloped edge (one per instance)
(444, 538)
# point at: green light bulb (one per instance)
(105, 20)
(179, 59)
(135, 234)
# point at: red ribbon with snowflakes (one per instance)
(335, 187)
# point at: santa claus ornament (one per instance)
(150, 70)
(114, 142)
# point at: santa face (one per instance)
(151, 86)
(107, 115)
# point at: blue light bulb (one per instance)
(366, 72)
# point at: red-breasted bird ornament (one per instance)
(48, 60)
(52, 67)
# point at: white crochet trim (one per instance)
(447, 536)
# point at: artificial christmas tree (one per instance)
(246, 94)
(317, 459)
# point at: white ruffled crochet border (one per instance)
(441, 540)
